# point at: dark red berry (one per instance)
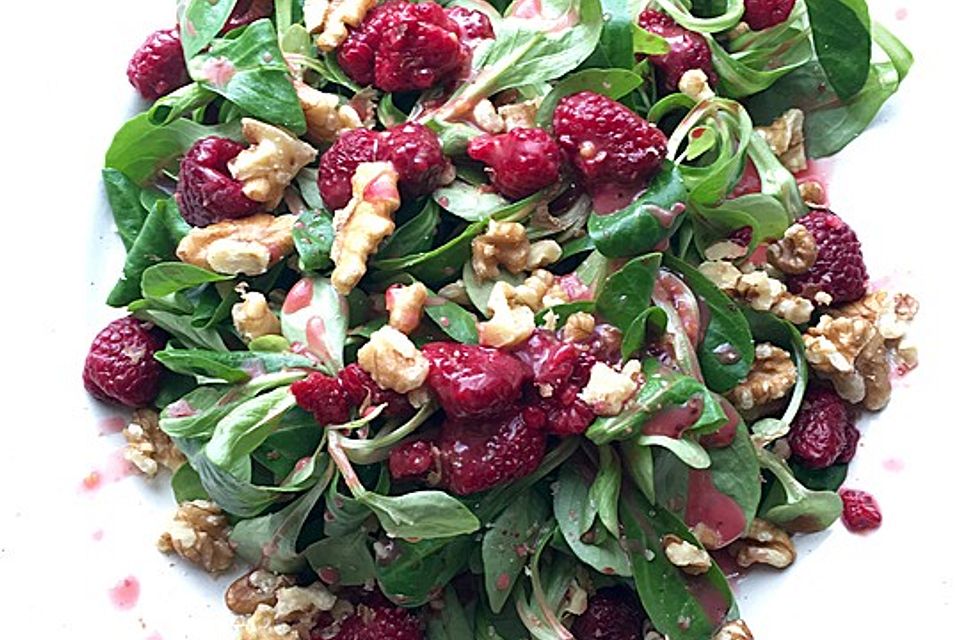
(247, 11)
(477, 454)
(860, 510)
(613, 613)
(606, 142)
(416, 154)
(763, 14)
(340, 161)
(852, 435)
(358, 53)
(520, 162)
(839, 269)
(472, 26)
(361, 390)
(688, 50)
(818, 434)
(551, 360)
(206, 192)
(158, 66)
(324, 397)
(567, 414)
(379, 622)
(470, 380)
(120, 366)
(413, 460)
(742, 236)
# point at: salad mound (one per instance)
(498, 321)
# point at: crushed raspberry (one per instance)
(120, 366)
(688, 50)
(378, 622)
(606, 142)
(361, 389)
(247, 11)
(206, 192)
(742, 236)
(477, 454)
(340, 161)
(860, 511)
(324, 397)
(412, 460)
(852, 436)
(473, 381)
(818, 435)
(472, 26)
(613, 613)
(839, 269)
(158, 66)
(749, 181)
(551, 360)
(520, 162)
(763, 14)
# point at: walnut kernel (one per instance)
(512, 320)
(771, 377)
(270, 163)
(795, 252)
(253, 318)
(405, 304)
(148, 447)
(252, 589)
(579, 326)
(695, 84)
(248, 245)
(503, 243)
(198, 532)
(764, 543)
(263, 625)
(734, 630)
(324, 114)
(785, 137)
(340, 14)
(519, 115)
(393, 361)
(688, 557)
(608, 390)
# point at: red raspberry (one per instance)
(839, 269)
(742, 236)
(361, 388)
(688, 50)
(357, 54)
(551, 360)
(818, 434)
(860, 511)
(379, 622)
(472, 26)
(340, 161)
(476, 455)
(763, 14)
(120, 366)
(247, 11)
(473, 381)
(749, 181)
(520, 162)
(607, 142)
(613, 613)
(852, 435)
(206, 192)
(417, 155)
(158, 66)
(324, 397)
(412, 460)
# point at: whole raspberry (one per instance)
(852, 435)
(416, 154)
(818, 434)
(206, 192)
(361, 388)
(688, 50)
(551, 360)
(839, 269)
(472, 26)
(606, 142)
(860, 510)
(476, 454)
(520, 162)
(473, 381)
(379, 622)
(763, 14)
(412, 460)
(324, 397)
(613, 613)
(120, 366)
(340, 161)
(158, 66)
(247, 11)
(358, 53)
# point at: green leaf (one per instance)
(229, 366)
(320, 323)
(348, 556)
(235, 495)
(516, 528)
(605, 490)
(647, 43)
(451, 623)
(841, 36)
(123, 195)
(638, 461)
(652, 320)
(764, 214)
(163, 279)
(625, 294)
(421, 514)
(186, 485)
(245, 428)
(689, 452)
(200, 23)
(801, 509)
(743, 74)
(183, 101)
(415, 235)
(468, 201)
(453, 320)
(613, 83)
(479, 290)
(313, 238)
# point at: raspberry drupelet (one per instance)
(818, 435)
(472, 381)
(520, 162)
(839, 269)
(120, 366)
(324, 397)
(861, 512)
(688, 50)
(158, 66)
(763, 14)
(378, 620)
(206, 192)
(613, 613)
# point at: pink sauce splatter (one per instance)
(894, 465)
(111, 424)
(299, 296)
(115, 468)
(673, 421)
(316, 337)
(97, 535)
(125, 594)
(154, 636)
(901, 13)
(712, 510)
(218, 71)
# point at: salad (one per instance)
(498, 321)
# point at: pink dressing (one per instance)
(299, 297)
(711, 599)
(111, 424)
(673, 421)
(715, 513)
(125, 594)
(316, 338)
(218, 71)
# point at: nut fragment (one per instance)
(689, 557)
(512, 321)
(785, 137)
(487, 118)
(543, 253)
(331, 29)
(252, 589)
(270, 163)
(873, 365)
(294, 602)
(771, 377)
(263, 625)
(324, 114)
(795, 252)
(725, 250)
(695, 84)
(393, 361)
(758, 290)
(608, 389)
(405, 304)
(252, 317)
(734, 630)
(503, 243)
(519, 115)
(363, 223)
(834, 348)
(198, 532)
(764, 543)
(579, 326)
(248, 245)
(149, 448)
(813, 193)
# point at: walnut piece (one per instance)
(294, 602)
(324, 114)
(764, 543)
(405, 304)
(695, 84)
(890, 314)
(270, 163)
(543, 253)
(252, 589)
(785, 137)
(252, 317)
(795, 252)
(503, 243)
(148, 447)
(758, 290)
(363, 223)
(689, 557)
(248, 245)
(579, 326)
(734, 630)
(393, 361)
(519, 114)
(263, 625)
(813, 193)
(198, 532)
(724, 250)
(487, 118)
(338, 15)
(850, 352)
(771, 377)
(512, 320)
(608, 389)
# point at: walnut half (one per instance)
(149, 448)
(248, 245)
(771, 377)
(795, 252)
(764, 543)
(270, 163)
(199, 533)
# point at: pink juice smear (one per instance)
(125, 594)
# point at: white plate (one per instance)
(63, 549)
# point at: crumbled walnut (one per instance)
(721, 273)
(689, 557)
(456, 291)
(724, 250)
(363, 223)
(332, 30)
(303, 600)
(543, 253)
(813, 193)
(532, 291)
(764, 543)
(503, 243)
(608, 390)
(734, 630)
(324, 114)
(905, 355)
(649, 633)
(795, 252)
(519, 115)
(252, 317)
(262, 625)
(248, 245)
(512, 320)
(393, 361)
(785, 137)
(873, 366)
(252, 589)
(405, 304)
(314, 14)
(695, 84)
(579, 326)
(833, 348)
(758, 290)
(771, 377)
(198, 532)
(889, 313)
(487, 118)
(270, 163)
(148, 447)
(823, 298)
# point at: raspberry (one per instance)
(158, 66)
(339, 162)
(357, 55)
(417, 155)
(551, 361)
(763, 14)
(206, 192)
(473, 381)
(613, 613)
(860, 510)
(412, 460)
(361, 388)
(379, 622)
(247, 11)
(324, 397)
(120, 366)
(520, 162)
(606, 142)
(742, 236)
(472, 26)
(688, 50)
(818, 434)
(476, 455)
(839, 269)
(749, 181)
(852, 435)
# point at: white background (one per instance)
(64, 93)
